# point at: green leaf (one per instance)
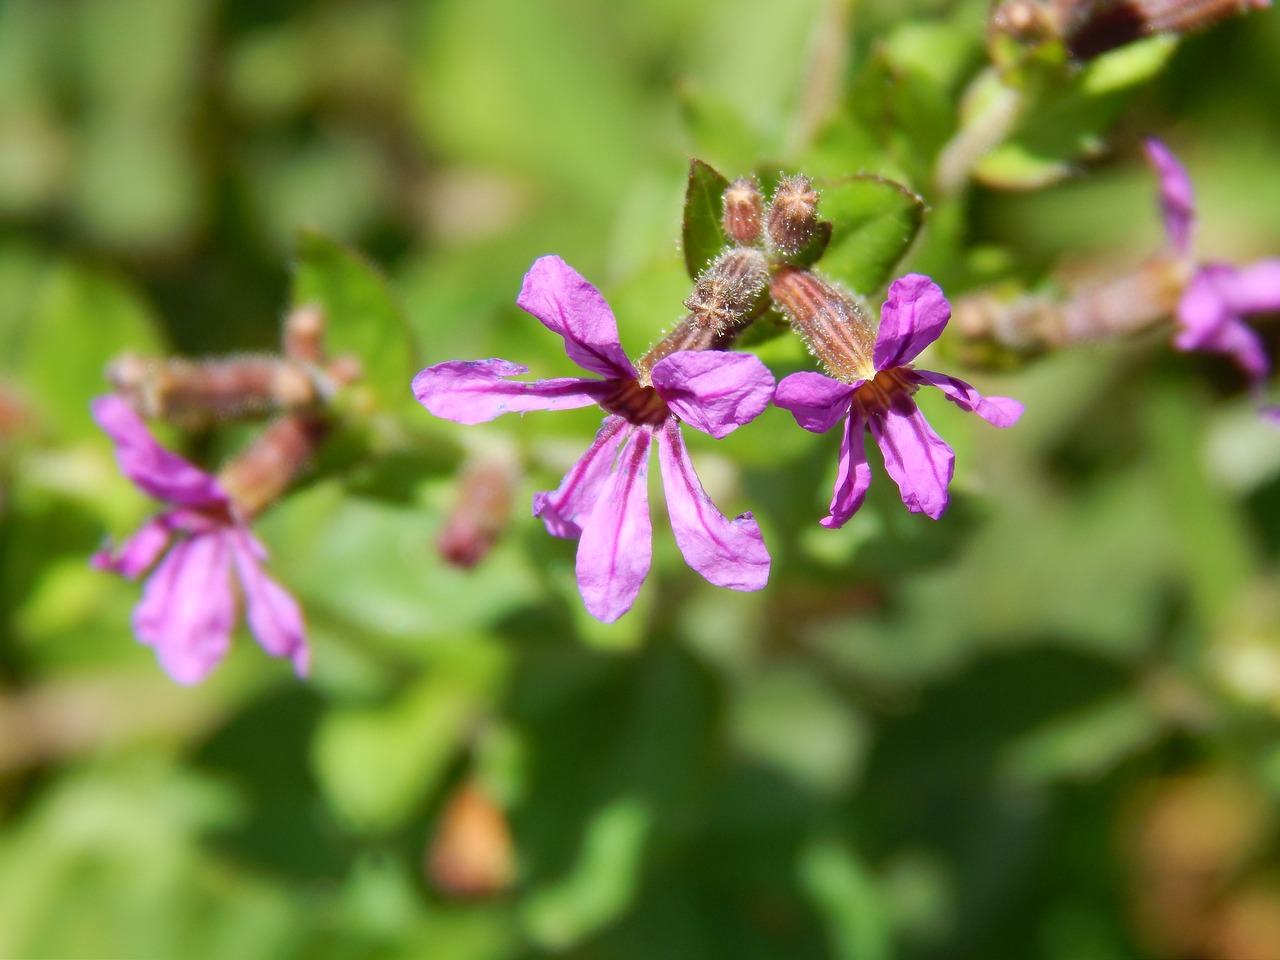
(602, 883)
(846, 897)
(377, 763)
(874, 221)
(83, 320)
(1065, 116)
(704, 235)
(363, 318)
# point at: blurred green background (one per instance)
(1045, 726)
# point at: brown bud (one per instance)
(471, 855)
(303, 334)
(1089, 28)
(743, 210)
(479, 516)
(793, 215)
(729, 292)
(197, 393)
(831, 322)
(259, 475)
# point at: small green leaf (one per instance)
(363, 318)
(704, 235)
(874, 221)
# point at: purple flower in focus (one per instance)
(1218, 295)
(603, 499)
(880, 400)
(188, 605)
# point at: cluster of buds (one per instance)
(195, 552)
(1089, 28)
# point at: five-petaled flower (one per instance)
(188, 605)
(1218, 295)
(875, 393)
(603, 499)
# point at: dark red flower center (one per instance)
(636, 404)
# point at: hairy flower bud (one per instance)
(730, 290)
(196, 393)
(793, 215)
(259, 475)
(743, 211)
(832, 324)
(480, 514)
(303, 334)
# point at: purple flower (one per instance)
(920, 462)
(188, 605)
(1218, 295)
(603, 499)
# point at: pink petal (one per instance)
(1177, 198)
(728, 553)
(854, 475)
(567, 304)
(273, 614)
(1251, 289)
(1000, 411)
(617, 539)
(475, 391)
(714, 391)
(1207, 324)
(152, 468)
(912, 317)
(564, 509)
(188, 608)
(919, 461)
(818, 403)
(138, 553)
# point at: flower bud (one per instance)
(730, 290)
(1089, 28)
(471, 855)
(196, 393)
(259, 475)
(480, 515)
(832, 323)
(743, 211)
(793, 215)
(303, 334)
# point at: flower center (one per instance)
(879, 394)
(636, 404)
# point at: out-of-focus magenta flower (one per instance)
(603, 499)
(188, 605)
(1218, 296)
(878, 398)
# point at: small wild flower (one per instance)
(189, 553)
(1218, 296)
(603, 500)
(871, 387)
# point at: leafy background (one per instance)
(1045, 726)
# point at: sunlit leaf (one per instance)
(703, 232)
(362, 318)
(874, 221)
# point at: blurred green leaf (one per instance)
(362, 318)
(601, 884)
(376, 763)
(83, 320)
(703, 230)
(1066, 114)
(874, 221)
(848, 900)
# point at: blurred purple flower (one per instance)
(919, 461)
(1218, 295)
(603, 499)
(188, 605)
